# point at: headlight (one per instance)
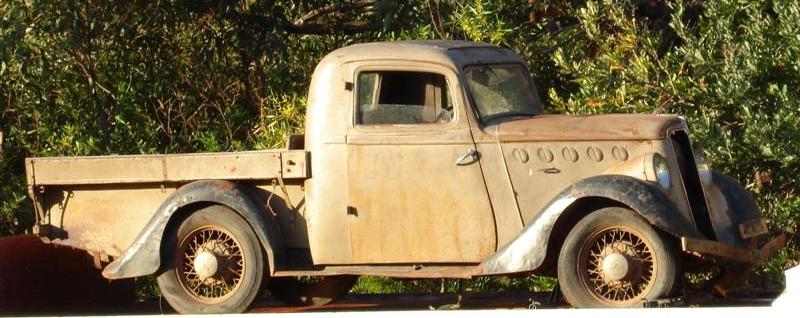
(662, 172)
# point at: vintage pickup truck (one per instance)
(420, 159)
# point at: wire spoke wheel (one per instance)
(212, 264)
(216, 263)
(617, 265)
(614, 258)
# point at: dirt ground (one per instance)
(43, 278)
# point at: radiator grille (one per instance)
(691, 183)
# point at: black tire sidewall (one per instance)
(666, 277)
(252, 278)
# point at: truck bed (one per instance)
(100, 204)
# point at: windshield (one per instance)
(501, 90)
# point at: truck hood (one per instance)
(594, 127)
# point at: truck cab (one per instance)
(380, 114)
(421, 159)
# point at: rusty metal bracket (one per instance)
(37, 203)
(771, 247)
(753, 228)
(286, 193)
(292, 218)
(269, 198)
(730, 253)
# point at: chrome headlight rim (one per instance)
(661, 172)
(703, 168)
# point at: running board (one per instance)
(400, 271)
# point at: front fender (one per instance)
(731, 207)
(528, 250)
(739, 228)
(143, 257)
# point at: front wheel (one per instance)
(614, 258)
(216, 264)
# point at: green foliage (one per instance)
(146, 288)
(479, 21)
(382, 285)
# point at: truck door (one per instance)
(415, 190)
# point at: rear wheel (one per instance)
(614, 258)
(310, 291)
(216, 266)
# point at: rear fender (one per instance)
(143, 257)
(528, 250)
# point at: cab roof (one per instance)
(428, 44)
(448, 52)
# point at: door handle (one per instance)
(550, 170)
(471, 154)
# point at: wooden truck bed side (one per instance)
(249, 165)
(100, 204)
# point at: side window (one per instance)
(400, 97)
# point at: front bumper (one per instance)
(737, 262)
(727, 253)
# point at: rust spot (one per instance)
(224, 185)
(233, 170)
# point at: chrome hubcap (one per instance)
(615, 267)
(206, 264)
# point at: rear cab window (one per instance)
(403, 98)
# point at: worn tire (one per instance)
(320, 291)
(590, 265)
(237, 258)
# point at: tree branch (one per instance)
(302, 25)
(332, 8)
(352, 27)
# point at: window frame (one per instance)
(421, 67)
(472, 104)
